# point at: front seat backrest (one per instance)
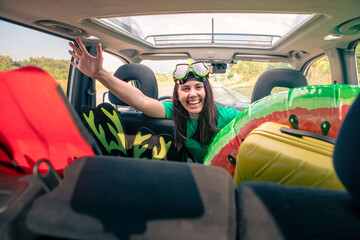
(144, 77)
(277, 77)
(346, 152)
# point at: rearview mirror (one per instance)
(218, 68)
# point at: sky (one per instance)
(223, 23)
(21, 43)
(14, 41)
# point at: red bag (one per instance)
(37, 122)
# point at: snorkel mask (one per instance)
(197, 70)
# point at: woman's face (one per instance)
(192, 96)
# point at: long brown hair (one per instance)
(207, 121)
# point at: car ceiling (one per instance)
(304, 44)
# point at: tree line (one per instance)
(58, 68)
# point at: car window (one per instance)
(163, 73)
(22, 47)
(242, 76)
(319, 72)
(278, 89)
(111, 64)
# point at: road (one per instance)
(224, 94)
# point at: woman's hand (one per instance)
(92, 67)
(86, 63)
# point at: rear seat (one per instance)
(107, 197)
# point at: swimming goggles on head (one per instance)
(196, 70)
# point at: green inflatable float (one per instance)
(319, 109)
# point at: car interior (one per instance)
(76, 162)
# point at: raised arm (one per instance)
(93, 67)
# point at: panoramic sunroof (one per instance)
(244, 30)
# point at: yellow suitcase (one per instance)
(275, 153)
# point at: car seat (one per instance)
(144, 79)
(293, 212)
(144, 137)
(347, 152)
(277, 77)
(106, 197)
(37, 122)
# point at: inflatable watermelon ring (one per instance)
(319, 108)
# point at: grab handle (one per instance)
(300, 133)
(48, 180)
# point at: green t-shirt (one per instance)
(225, 115)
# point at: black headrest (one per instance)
(347, 151)
(142, 74)
(277, 77)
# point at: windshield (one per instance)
(233, 88)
